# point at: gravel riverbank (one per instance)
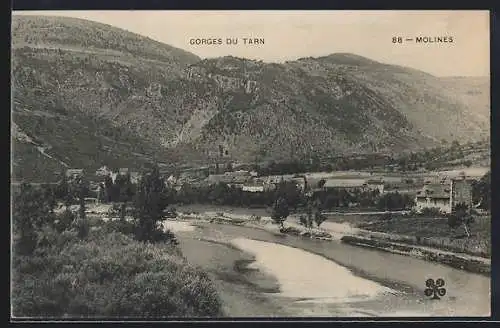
(348, 234)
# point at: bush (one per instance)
(256, 218)
(290, 230)
(124, 227)
(64, 221)
(111, 275)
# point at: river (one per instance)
(259, 273)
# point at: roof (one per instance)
(435, 191)
(74, 171)
(237, 173)
(344, 183)
(239, 179)
(277, 178)
(247, 187)
(217, 178)
(462, 179)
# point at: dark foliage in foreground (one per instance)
(66, 265)
(109, 275)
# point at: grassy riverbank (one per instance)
(458, 261)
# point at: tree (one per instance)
(49, 196)
(82, 224)
(317, 208)
(150, 202)
(344, 197)
(481, 191)
(319, 217)
(460, 215)
(308, 220)
(123, 211)
(108, 188)
(395, 201)
(63, 192)
(101, 194)
(31, 211)
(289, 192)
(321, 183)
(124, 190)
(217, 193)
(280, 211)
(221, 151)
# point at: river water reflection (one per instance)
(321, 278)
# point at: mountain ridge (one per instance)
(177, 107)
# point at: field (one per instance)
(432, 232)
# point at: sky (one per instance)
(289, 35)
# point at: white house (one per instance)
(103, 171)
(445, 195)
(74, 173)
(253, 188)
(434, 196)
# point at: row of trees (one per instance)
(122, 190)
(222, 194)
(314, 208)
(33, 209)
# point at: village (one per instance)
(437, 193)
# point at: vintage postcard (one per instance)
(212, 164)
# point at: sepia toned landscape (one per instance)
(152, 182)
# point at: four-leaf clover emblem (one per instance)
(435, 288)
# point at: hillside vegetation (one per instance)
(112, 96)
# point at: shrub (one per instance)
(64, 221)
(290, 230)
(124, 227)
(256, 218)
(111, 275)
